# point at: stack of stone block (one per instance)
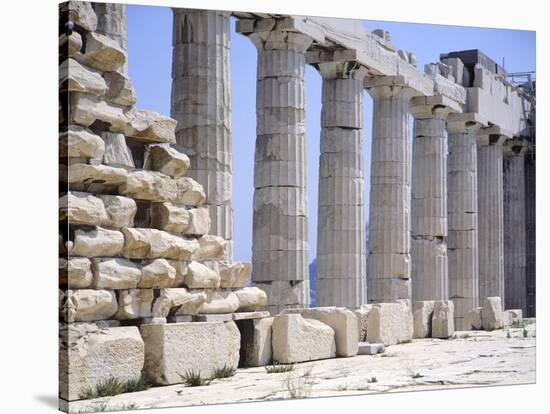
(133, 236)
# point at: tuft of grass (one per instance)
(135, 385)
(224, 372)
(489, 329)
(417, 375)
(105, 388)
(372, 380)
(525, 332)
(342, 388)
(406, 341)
(277, 368)
(508, 335)
(130, 407)
(297, 386)
(193, 378)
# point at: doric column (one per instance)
(490, 213)
(462, 215)
(201, 103)
(388, 273)
(341, 272)
(429, 202)
(530, 224)
(279, 235)
(515, 282)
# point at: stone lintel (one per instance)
(288, 24)
(333, 55)
(515, 147)
(465, 122)
(436, 106)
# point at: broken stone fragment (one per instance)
(92, 305)
(296, 339)
(120, 90)
(120, 210)
(199, 221)
(153, 243)
(169, 217)
(75, 272)
(166, 160)
(443, 319)
(390, 324)
(120, 349)
(76, 78)
(473, 319)
(80, 143)
(150, 126)
(255, 341)
(183, 302)
(220, 302)
(117, 153)
(234, 275)
(155, 186)
(85, 109)
(491, 314)
(82, 208)
(422, 318)
(200, 347)
(115, 273)
(71, 44)
(362, 315)
(88, 174)
(200, 276)
(211, 248)
(135, 303)
(157, 274)
(102, 53)
(251, 299)
(80, 13)
(97, 242)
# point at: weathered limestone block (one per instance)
(362, 315)
(422, 318)
(120, 90)
(366, 348)
(199, 221)
(342, 321)
(76, 78)
(211, 248)
(516, 316)
(94, 354)
(255, 342)
(176, 348)
(117, 153)
(102, 53)
(506, 319)
(169, 217)
(181, 271)
(80, 13)
(115, 273)
(443, 319)
(97, 242)
(70, 43)
(82, 208)
(295, 339)
(155, 186)
(184, 302)
(153, 243)
(81, 143)
(473, 319)
(281, 292)
(75, 272)
(491, 314)
(251, 299)
(235, 274)
(157, 274)
(120, 210)
(135, 303)
(220, 302)
(390, 324)
(91, 305)
(200, 276)
(166, 160)
(85, 109)
(150, 126)
(90, 174)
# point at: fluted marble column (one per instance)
(388, 265)
(341, 272)
(429, 202)
(201, 103)
(530, 224)
(462, 215)
(280, 221)
(515, 281)
(490, 213)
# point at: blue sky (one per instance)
(150, 56)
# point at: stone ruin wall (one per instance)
(147, 280)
